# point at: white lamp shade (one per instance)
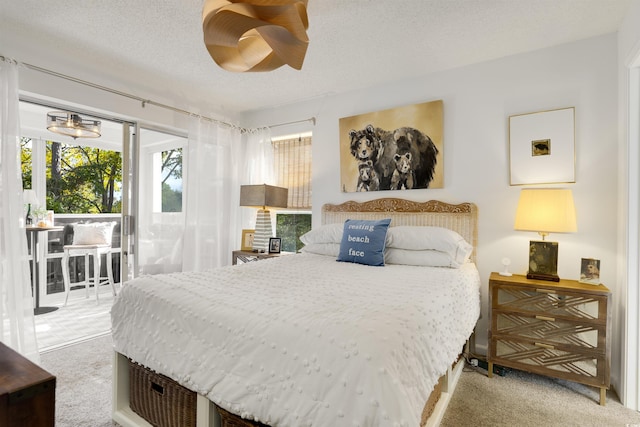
(30, 197)
(546, 210)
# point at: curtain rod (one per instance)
(143, 101)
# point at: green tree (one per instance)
(83, 179)
(172, 164)
(171, 168)
(171, 199)
(25, 161)
(289, 227)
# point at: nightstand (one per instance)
(249, 256)
(558, 329)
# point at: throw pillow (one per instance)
(95, 233)
(363, 241)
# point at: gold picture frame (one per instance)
(400, 148)
(247, 239)
(542, 147)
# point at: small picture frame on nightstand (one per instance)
(247, 239)
(274, 245)
(590, 271)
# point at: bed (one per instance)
(318, 342)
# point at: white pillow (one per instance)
(425, 258)
(330, 249)
(328, 233)
(95, 233)
(430, 238)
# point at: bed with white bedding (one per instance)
(303, 339)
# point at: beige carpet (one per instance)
(83, 395)
(83, 382)
(526, 400)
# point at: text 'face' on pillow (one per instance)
(95, 233)
(363, 241)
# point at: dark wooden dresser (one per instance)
(27, 392)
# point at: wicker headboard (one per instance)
(462, 218)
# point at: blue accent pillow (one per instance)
(363, 241)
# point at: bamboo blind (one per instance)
(292, 162)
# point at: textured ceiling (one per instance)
(154, 48)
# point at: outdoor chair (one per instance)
(90, 240)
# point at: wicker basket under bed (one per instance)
(160, 400)
(164, 403)
(227, 419)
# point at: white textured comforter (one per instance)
(303, 340)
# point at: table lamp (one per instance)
(263, 197)
(30, 198)
(545, 210)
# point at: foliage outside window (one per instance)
(289, 227)
(79, 179)
(171, 175)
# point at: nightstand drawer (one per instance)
(537, 357)
(549, 302)
(572, 335)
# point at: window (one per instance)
(171, 179)
(82, 179)
(26, 155)
(292, 162)
(79, 179)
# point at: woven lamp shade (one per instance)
(256, 35)
(263, 196)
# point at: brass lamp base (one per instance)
(541, 276)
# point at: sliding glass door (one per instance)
(77, 180)
(160, 220)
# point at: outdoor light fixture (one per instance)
(71, 124)
(256, 35)
(545, 210)
(262, 197)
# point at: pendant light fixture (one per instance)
(71, 124)
(256, 35)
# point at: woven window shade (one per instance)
(292, 163)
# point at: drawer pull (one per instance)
(539, 344)
(550, 319)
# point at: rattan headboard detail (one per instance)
(462, 218)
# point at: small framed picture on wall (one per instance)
(590, 271)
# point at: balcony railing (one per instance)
(51, 270)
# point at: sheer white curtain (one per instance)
(212, 214)
(259, 157)
(258, 168)
(16, 305)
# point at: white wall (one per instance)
(477, 103)
(626, 312)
